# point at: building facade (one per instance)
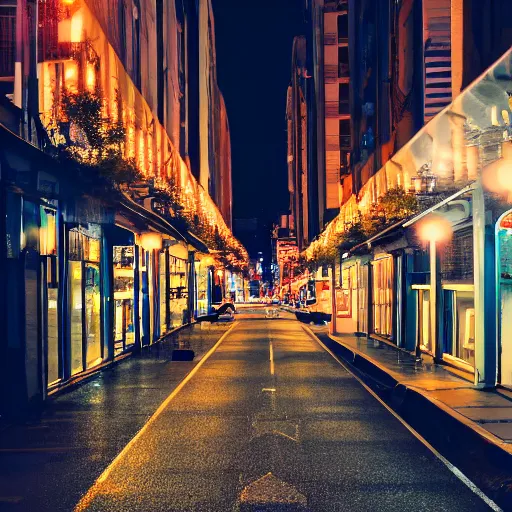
(96, 266)
(426, 118)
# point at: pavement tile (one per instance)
(470, 398)
(502, 430)
(486, 414)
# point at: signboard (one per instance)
(287, 256)
(343, 302)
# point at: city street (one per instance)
(270, 399)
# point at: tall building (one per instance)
(416, 98)
(214, 137)
(297, 128)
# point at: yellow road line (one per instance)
(88, 497)
(272, 369)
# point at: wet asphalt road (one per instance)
(271, 400)
(49, 461)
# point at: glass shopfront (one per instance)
(202, 288)
(362, 298)
(382, 297)
(178, 295)
(48, 251)
(425, 341)
(459, 322)
(84, 284)
(163, 286)
(124, 295)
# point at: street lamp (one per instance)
(425, 181)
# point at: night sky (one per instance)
(254, 46)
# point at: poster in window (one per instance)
(343, 302)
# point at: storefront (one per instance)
(85, 293)
(50, 297)
(203, 284)
(124, 297)
(382, 295)
(173, 285)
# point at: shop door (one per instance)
(51, 320)
(92, 315)
(362, 299)
(146, 337)
(75, 316)
(33, 343)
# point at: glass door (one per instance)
(75, 317)
(92, 315)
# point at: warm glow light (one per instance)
(150, 241)
(504, 175)
(70, 73)
(435, 228)
(76, 27)
(497, 176)
(90, 77)
(208, 261)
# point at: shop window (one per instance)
(425, 341)
(201, 289)
(92, 315)
(163, 291)
(382, 296)
(459, 324)
(75, 316)
(178, 286)
(85, 297)
(344, 294)
(48, 250)
(362, 298)
(124, 290)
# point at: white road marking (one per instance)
(454, 470)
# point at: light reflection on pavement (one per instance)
(271, 421)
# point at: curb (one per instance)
(484, 457)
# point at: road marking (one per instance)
(271, 359)
(268, 390)
(454, 470)
(270, 490)
(87, 498)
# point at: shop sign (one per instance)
(343, 302)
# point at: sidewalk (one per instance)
(473, 427)
(49, 462)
